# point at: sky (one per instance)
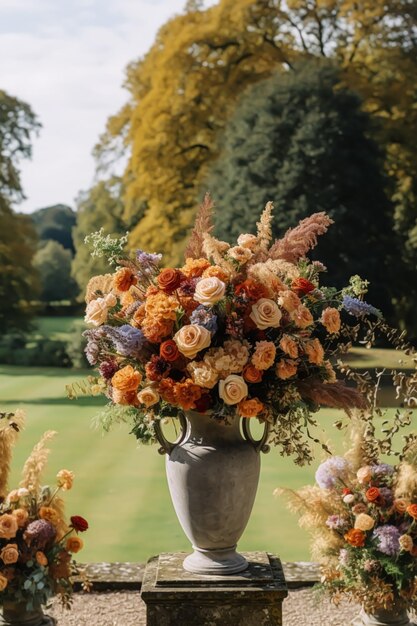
(66, 58)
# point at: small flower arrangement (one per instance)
(362, 515)
(246, 330)
(36, 541)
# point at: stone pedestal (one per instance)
(175, 597)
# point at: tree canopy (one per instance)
(53, 263)
(55, 223)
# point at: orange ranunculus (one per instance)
(302, 286)
(50, 515)
(74, 544)
(126, 379)
(166, 388)
(217, 272)
(156, 329)
(187, 394)
(250, 407)
(372, 494)
(251, 374)
(195, 267)
(168, 350)
(170, 279)
(252, 290)
(289, 346)
(412, 510)
(125, 398)
(123, 279)
(355, 537)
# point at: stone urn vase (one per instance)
(395, 616)
(213, 473)
(16, 614)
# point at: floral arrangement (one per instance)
(362, 515)
(36, 541)
(245, 330)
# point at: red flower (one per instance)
(168, 350)
(79, 524)
(373, 494)
(346, 491)
(302, 286)
(203, 403)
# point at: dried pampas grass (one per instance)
(35, 464)
(299, 240)
(335, 395)
(203, 225)
(10, 426)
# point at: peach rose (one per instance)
(240, 254)
(289, 300)
(65, 479)
(9, 554)
(8, 526)
(289, 346)
(251, 374)
(250, 407)
(302, 317)
(330, 318)
(412, 510)
(233, 389)
(401, 505)
(126, 379)
(406, 543)
(286, 368)
(3, 582)
(209, 291)
(355, 537)
(247, 241)
(96, 312)
(41, 558)
(125, 398)
(148, 396)
(192, 338)
(74, 544)
(21, 516)
(364, 522)
(264, 355)
(364, 474)
(314, 351)
(50, 515)
(13, 496)
(266, 314)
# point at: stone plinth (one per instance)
(174, 597)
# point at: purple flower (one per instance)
(382, 469)
(331, 471)
(204, 317)
(359, 308)
(387, 495)
(92, 352)
(387, 538)
(107, 369)
(40, 532)
(127, 340)
(344, 557)
(335, 522)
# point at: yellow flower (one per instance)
(50, 515)
(74, 544)
(65, 479)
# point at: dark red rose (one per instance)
(79, 524)
(302, 286)
(203, 403)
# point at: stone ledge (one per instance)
(128, 576)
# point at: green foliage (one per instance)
(56, 223)
(76, 344)
(53, 263)
(40, 352)
(100, 207)
(301, 140)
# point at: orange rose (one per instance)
(124, 398)
(330, 318)
(250, 407)
(252, 290)
(9, 554)
(168, 350)
(289, 346)
(302, 317)
(251, 374)
(302, 286)
(372, 494)
(74, 544)
(50, 515)
(187, 394)
(286, 368)
(314, 351)
(170, 279)
(126, 379)
(412, 510)
(355, 537)
(21, 516)
(401, 505)
(123, 279)
(264, 355)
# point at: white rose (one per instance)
(148, 396)
(209, 290)
(233, 389)
(96, 312)
(191, 339)
(111, 299)
(247, 241)
(266, 314)
(349, 498)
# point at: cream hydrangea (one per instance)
(203, 374)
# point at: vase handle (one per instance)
(168, 446)
(261, 445)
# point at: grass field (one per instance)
(120, 487)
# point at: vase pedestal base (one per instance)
(215, 562)
(252, 597)
(383, 618)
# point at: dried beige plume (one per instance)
(299, 240)
(58, 505)
(35, 464)
(266, 275)
(215, 249)
(264, 233)
(203, 225)
(10, 426)
(406, 483)
(335, 395)
(98, 286)
(361, 451)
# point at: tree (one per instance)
(56, 223)
(53, 263)
(100, 207)
(18, 279)
(183, 90)
(301, 140)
